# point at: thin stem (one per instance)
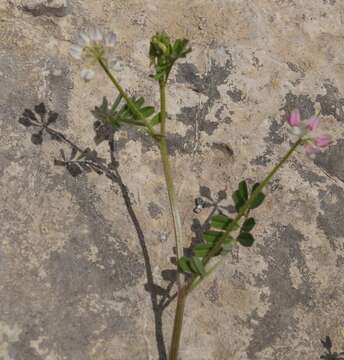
(178, 324)
(177, 224)
(182, 292)
(130, 103)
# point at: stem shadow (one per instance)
(86, 160)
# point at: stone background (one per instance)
(73, 280)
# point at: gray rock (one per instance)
(46, 7)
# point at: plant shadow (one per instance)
(329, 355)
(79, 161)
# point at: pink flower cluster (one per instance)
(302, 128)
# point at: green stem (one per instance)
(130, 103)
(178, 324)
(177, 224)
(182, 292)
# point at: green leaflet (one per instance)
(258, 200)
(201, 250)
(147, 111)
(197, 266)
(221, 222)
(245, 239)
(155, 120)
(183, 265)
(248, 225)
(212, 236)
(243, 190)
(191, 265)
(239, 201)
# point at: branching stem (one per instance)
(196, 280)
(184, 289)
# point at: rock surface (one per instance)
(45, 7)
(79, 255)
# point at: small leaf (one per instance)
(155, 120)
(245, 239)
(212, 236)
(239, 201)
(183, 265)
(179, 47)
(197, 265)
(258, 200)
(147, 111)
(248, 225)
(139, 102)
(40, 109)
(116, 103)
(105, 103)
(243, 190)
(201, 250)
(221, 222)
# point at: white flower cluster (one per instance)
(92, 47)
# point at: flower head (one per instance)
(93, 47)
(301, 128)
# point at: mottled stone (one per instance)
(331, 103)
(45, 7)
(329, 160)
(87, 258)
(280, 250)
(331, 202)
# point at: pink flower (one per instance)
(300, 129)
(322, 141)
(313, 123)
(315, 145)
(294, 118)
